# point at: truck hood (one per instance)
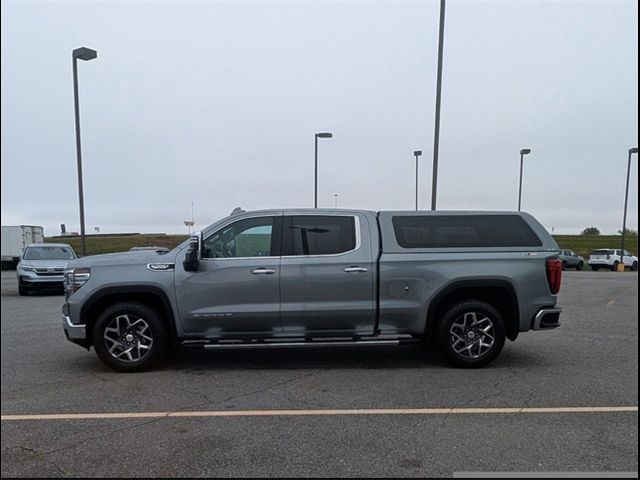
(124, 258)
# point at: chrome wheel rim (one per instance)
(472, 335)
(128, 339)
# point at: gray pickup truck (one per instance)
(294, 278)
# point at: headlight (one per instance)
(74, 278)
(24, 268)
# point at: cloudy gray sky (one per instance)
(217, 103)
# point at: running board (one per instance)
(228, 345)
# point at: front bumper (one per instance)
(33, 281)
(74, 333)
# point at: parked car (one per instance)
(42, 266)
(571, 260)
(297, 278)
(610, 258)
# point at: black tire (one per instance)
(614, 267)
(564, 265)
(595, 269)
(131, 313)
(456, 314)
(23, 291)
(580, 266)
(634, 267)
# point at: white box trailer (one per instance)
(15, 238)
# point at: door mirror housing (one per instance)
(192, 256)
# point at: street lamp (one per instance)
(315, 190)
(436, 130)
(417, 153)
(85, 54)
(335, 200)
(626, 198)
(523, 152)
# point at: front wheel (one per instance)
(130, 337)
(634, 267)
(471, 334)
(580, 266)
(614, 267)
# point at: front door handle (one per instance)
(356, 269)
(262, 271)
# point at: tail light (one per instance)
(554, 274)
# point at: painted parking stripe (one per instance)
(285, 413)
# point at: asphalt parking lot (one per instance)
(591, 361)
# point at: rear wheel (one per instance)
(564, 265)
(130, 337)
(614, 267)
(580, 266)
(471, 334)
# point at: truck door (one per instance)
(237, 286)
(327, 275)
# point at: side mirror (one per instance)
(192, 256)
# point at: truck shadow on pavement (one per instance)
(375, 358)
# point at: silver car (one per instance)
(42, 266)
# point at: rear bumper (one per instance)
(546, 319)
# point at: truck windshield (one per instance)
(48, 253)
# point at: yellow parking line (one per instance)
(284, 413)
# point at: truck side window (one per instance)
(319, 235)
(463, 231)
(250, 237)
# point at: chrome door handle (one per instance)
(262, 271)
(356, 269)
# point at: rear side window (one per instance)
(318, 235)
(464, 231)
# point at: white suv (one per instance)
(610, 258)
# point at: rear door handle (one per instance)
(356, 269)
(262, 271)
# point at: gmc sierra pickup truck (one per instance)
(293, 278)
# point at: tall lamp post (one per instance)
(626, 199)
(85, 54)
(417, 153)
(436, 130)
(315, 177)
(523, 152)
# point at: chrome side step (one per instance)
(229, 345)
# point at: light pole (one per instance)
(417, 153)
(315, 178)
(85, 54)
(626, 198)
(436, 132)
(523, 152)
(335, 200)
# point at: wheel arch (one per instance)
(497, 292)
(149, 295)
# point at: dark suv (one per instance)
(571, 260)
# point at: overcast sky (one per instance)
(217, 104)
